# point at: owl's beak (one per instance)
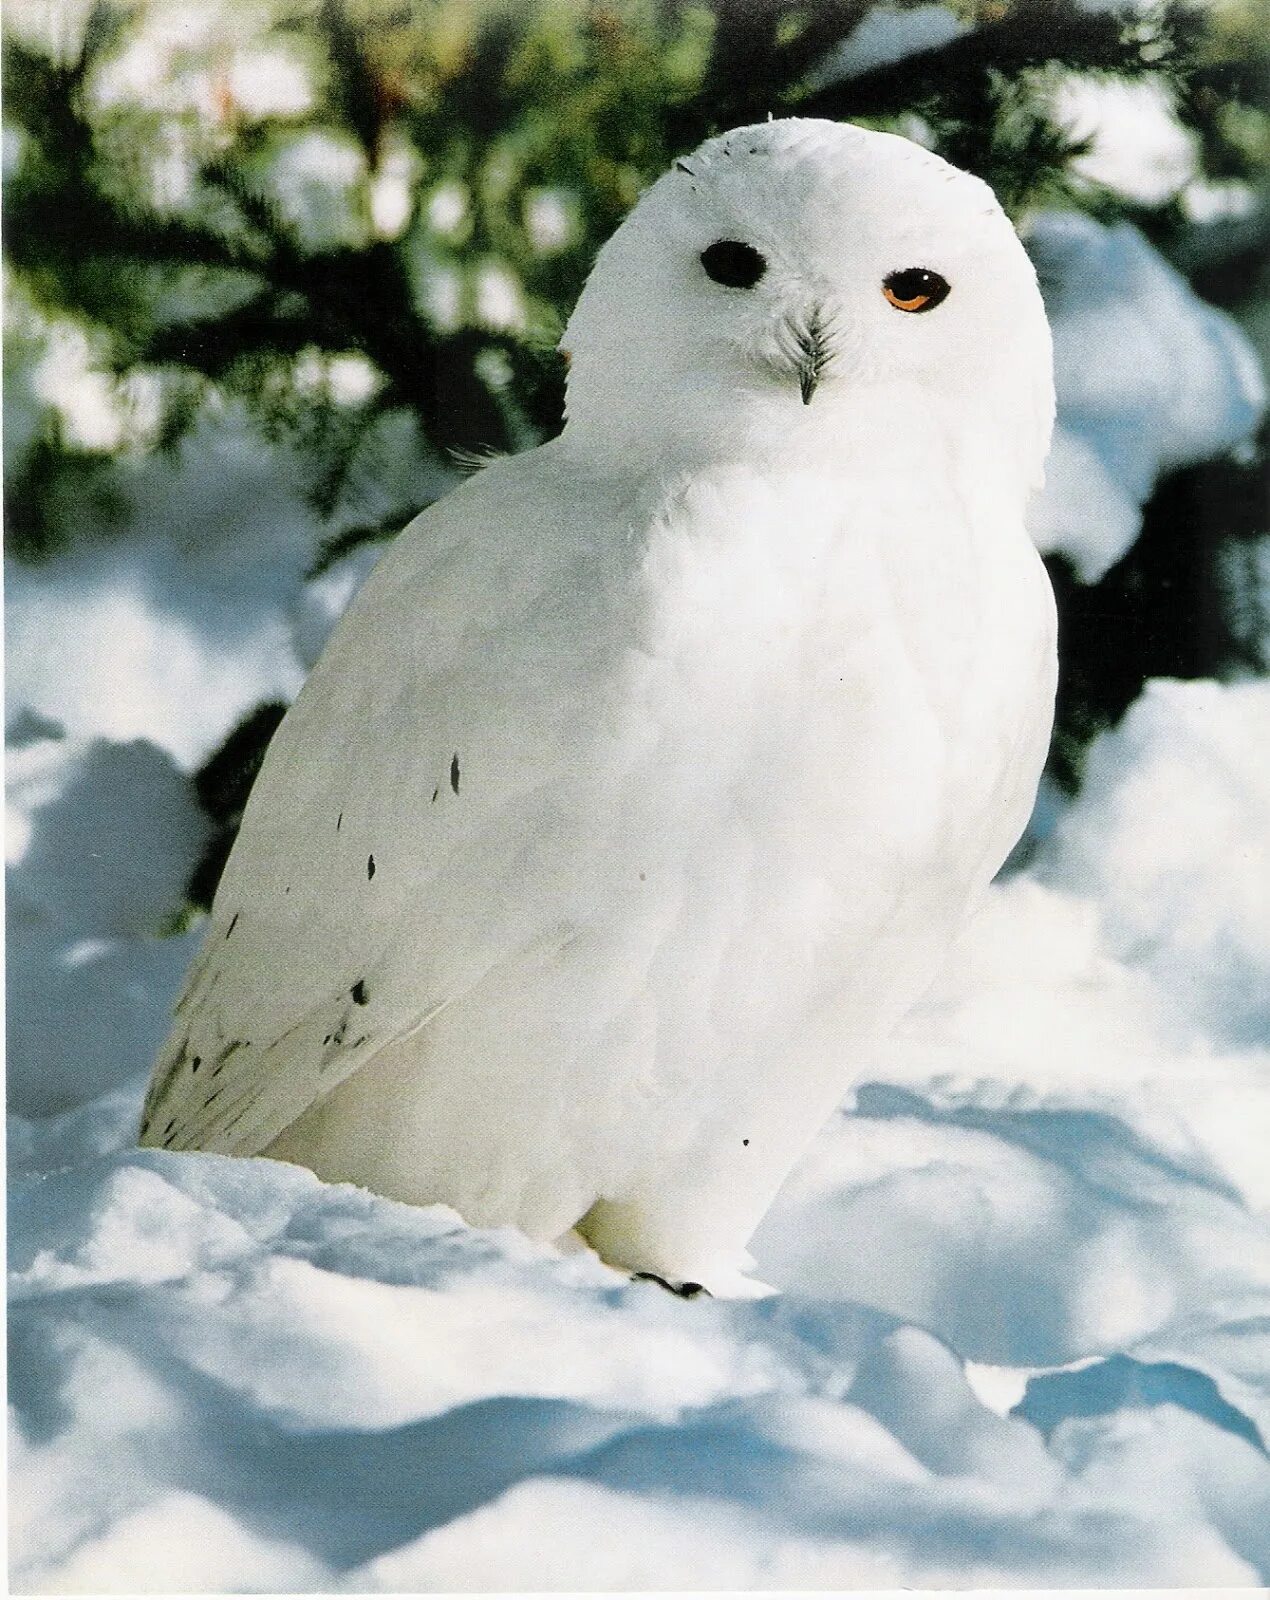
(812, 343)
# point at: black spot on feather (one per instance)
(435, 793)
(454, 772)
(370, 867)
(196, 1063)
(339, 822)
(359, 992)
(223, 1057)
(233, 923)
(745, 1141)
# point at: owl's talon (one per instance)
(685, 1291)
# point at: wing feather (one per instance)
(367, 887)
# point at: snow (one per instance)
(175, 626)
(178, 626)
(184, 59)
(1023, 1336)
(87, 890)
(1149, 379)
(884, 36)
(1136, 146)
(1187, 899)
(393, 188)
(318, 182)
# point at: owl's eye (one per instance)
(733, 264)
(915, 289)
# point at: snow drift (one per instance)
(227, 1375)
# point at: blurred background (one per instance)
(276, 268)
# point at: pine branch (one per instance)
(359, 97)
(956, 76)
(342, 544)
(212, 346)
(831, 24)
(341, 434)
(55, 480)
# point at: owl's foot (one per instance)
(685, 1291)
(669, 1246)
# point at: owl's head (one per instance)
(788, 281)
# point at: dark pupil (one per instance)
(736, 265)
(915, 281)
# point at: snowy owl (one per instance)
(645, 783)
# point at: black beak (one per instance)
(813, 355)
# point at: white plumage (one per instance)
(648, 777)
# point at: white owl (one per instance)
(646, 781)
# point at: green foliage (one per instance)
(201, 246)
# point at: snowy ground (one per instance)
(1024, 1334)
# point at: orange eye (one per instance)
(915, 289)
(917, 303)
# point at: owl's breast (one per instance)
(837, 693)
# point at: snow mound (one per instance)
(365, 1395)
(1022, 1338)
(174, 629)
(1172, 837)
(101, 838)
(1149, 378)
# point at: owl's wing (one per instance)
(366, 889)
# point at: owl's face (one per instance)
(798, 272)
